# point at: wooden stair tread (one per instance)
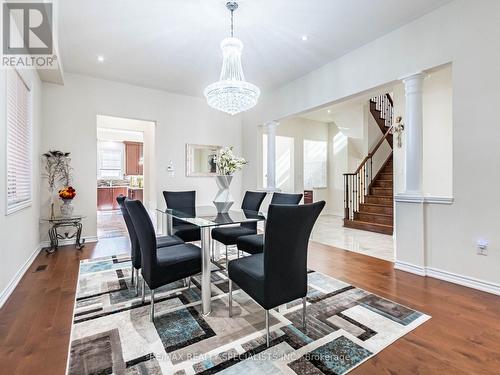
(374, 214)
(378, 196)
(374, 204)
(372, 227)
(370, 223)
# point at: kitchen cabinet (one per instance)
(136, 194)
(133, 158)
(106, 197)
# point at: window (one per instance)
(19, 140)
(110, 160)
(315, 156)
(284, 163)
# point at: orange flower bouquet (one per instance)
(67, 193)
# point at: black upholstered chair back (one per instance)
(251, 202)
(135, 249)
(283, 198)
(184, 201)
(285, 250)
(146, 235)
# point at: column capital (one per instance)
(271, 125)
(413, 76)
(413, 83)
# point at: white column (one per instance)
(271, 154)
(414, 133)
(409, 210)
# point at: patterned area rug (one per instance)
(112, 334)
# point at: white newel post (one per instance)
(414, 133)
(409, 206)
(271, 154)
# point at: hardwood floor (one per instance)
(463, 336)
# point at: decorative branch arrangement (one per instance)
(57, 168)
(58, 171)
(228, 163)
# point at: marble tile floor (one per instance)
(329, 230)
(110, 224)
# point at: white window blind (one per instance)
(19, 140)
(110, 158)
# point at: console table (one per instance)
(74, 221)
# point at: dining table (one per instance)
(206, 218)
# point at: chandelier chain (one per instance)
(232, 24)
(232, 94)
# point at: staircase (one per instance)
(368, 198)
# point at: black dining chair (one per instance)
(135, 251)
(254, 243)
(228, 235)
(160, 266)
(279, 274)
(185, 202)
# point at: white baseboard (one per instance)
(408, 267)
(18, 276)
(470, 282)
(69, 241)
(467, 281)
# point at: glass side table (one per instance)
(74, 221)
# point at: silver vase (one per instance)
(223, 200)
(67, 208)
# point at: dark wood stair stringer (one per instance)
(369, 200)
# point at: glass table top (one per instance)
(207, 216)
(63, 218)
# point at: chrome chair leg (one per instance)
(137, 283)
(230, 298)
(227, 260)
(132, 277)
(267, 328)
(212, 248)
(143, 290)
(152, 309)
(304, 302)
(189, 282)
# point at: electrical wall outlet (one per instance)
(482, 247)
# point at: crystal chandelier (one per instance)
(232, 94)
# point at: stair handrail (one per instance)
(357, 184)
(385, 105)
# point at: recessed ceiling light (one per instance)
(329, 111)
(304, 38)
(100, 58)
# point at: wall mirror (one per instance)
(200, 160)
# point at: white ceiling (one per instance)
(174, 44)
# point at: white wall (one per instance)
(464, 33)
(69, 117)
(19, 233)
(338, 164)
(437, 133)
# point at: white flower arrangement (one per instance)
(228, 163)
